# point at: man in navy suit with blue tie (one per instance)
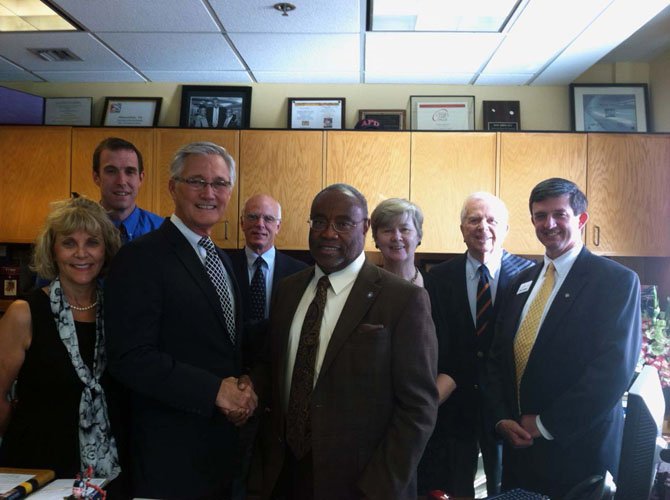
(566, 346)
(464, 297)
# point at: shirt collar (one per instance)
(493, 264)
(339, 280)
(268, 256)
(192, 237)
(564, 263)
(129, 222)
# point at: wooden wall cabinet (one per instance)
(525, 160)
(287, 165)
(629, 194)
(447, 167)
(167, 142)
(35, 171)
(84, 142)
(374, 162)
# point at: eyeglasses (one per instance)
(268, 219)
(199, 184)
(339, 226)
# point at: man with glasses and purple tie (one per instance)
(259, 268)
(352, 368)
(173, 318)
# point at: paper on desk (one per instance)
(9, 481)
(60, 488)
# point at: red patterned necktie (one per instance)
(484, 301)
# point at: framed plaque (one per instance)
(502, 115)
(316, 112)
(442, 112)
(131, 111)
(609, 107)
(389, 119)
(68, 111)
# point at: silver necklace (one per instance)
(87, 308)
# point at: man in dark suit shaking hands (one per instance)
(353, 368)
(567, 342)
(465, 294)
(174, 331)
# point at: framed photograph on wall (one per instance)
(215, 106)
(609, 107)
(131, 111)
(316, 113)
(446, 112)
(389, 119)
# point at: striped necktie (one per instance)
(527, 333)
(484, 301)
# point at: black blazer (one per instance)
(167, 342)
(285, 265)
(462, 354)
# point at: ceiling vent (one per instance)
(56, 55)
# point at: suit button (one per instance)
(480, 354)
(476, 386)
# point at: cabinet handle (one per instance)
(596, 235)
(225, 230)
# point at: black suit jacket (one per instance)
(581, 363)
(285, 265)
(462, 354)
(167, 342)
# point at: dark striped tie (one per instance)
(484, 302)
(298, 417)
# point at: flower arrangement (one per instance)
(655, 334)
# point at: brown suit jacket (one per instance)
(374, 404)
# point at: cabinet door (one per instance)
(629, 194)
(84, 142)
(168, 141)
(35, 172)
(525, 160)
(288, 165)
(446, 167)
(374, 162)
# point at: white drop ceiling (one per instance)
(545, 42)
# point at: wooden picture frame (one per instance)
(215, 106)
(617, 107)
(389, 119)
(131, 111)
(444, 112)
(321, 113)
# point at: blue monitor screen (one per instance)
(20, 108)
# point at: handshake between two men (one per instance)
(236, 399)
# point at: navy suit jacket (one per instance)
(582, 362)
(462, 354)
(285, 265)
(167, 342)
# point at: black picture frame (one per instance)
(389, 119)
(609, 107)
(320, 113)
(131, 111)
(199, 101)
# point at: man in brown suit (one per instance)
(352, 421)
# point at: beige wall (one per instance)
(542, 107)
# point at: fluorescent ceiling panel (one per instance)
(425, 53)
(419, 78)
(31, 15)
(441, 15)
(306, 77)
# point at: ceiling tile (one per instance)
(90, 76)
(504, 79)
(140, 15)
(306, 77)
(420, 78)
(94, 55)
(298, 53)
(198, 76)
(174, 51)
(426, 53)
(312, 16)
